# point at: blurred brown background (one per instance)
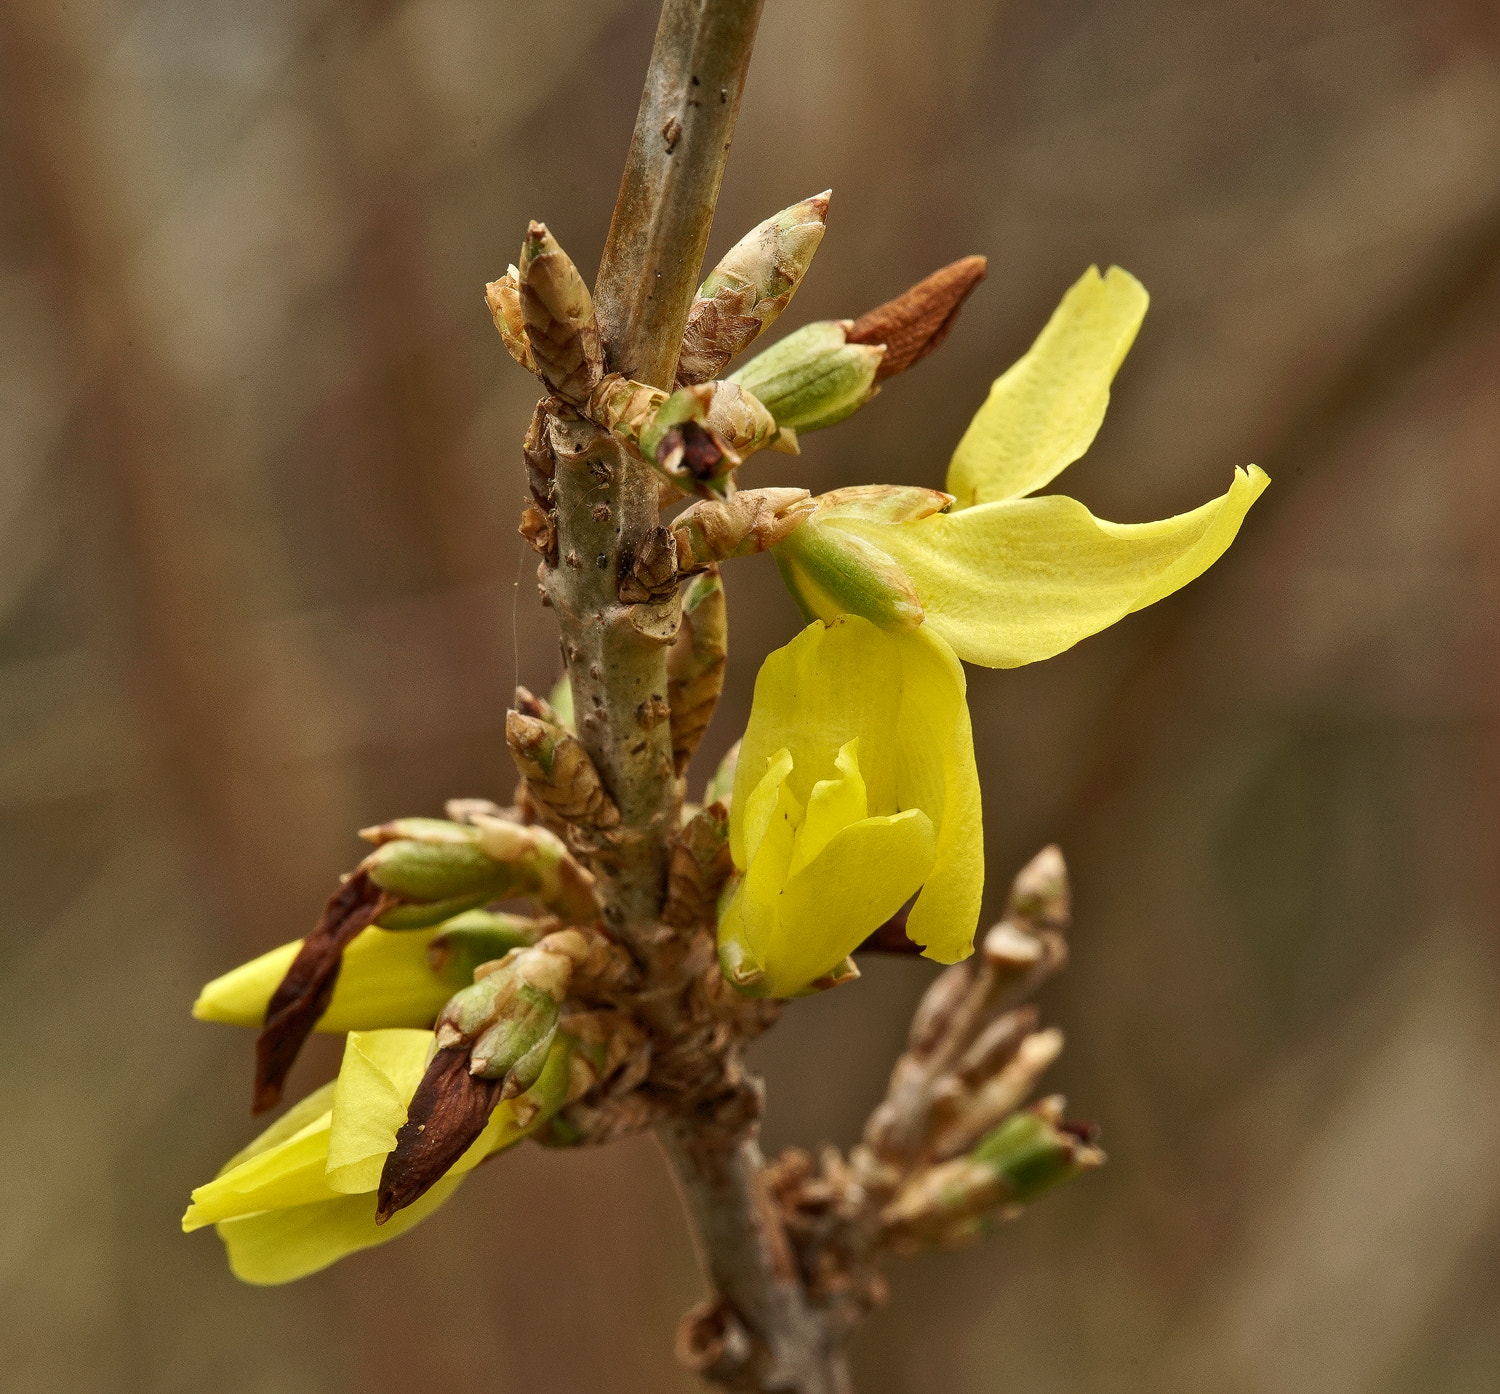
(259, 586)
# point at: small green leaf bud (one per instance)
(1033, 1150)
(813, 377)
(515, 1047)
(434, 871)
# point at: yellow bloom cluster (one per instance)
(302, 1195)
(855, 787)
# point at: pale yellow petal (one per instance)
(832, 806)
(384, 981)
(379, 1073)
(288, 1173)
(767, 871)
(862, 876)
(901, 695)
(758, 797)
(1046, 409)
(938, 773)
(1012, 583)
(282, 1245)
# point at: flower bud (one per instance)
(558, 314)
(749, 288)
(435, 870)
(831, 572)
(515, 1048)
(813, 377)
(504, 299)
(1034, 1150)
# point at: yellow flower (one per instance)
(388, 978)
(855, 788)
(302, 1195)
(1004, 578)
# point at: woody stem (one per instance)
(606, 502)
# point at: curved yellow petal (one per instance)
(862, 876)
(938, 773)
(378, 1075)
(1012, 583)
(901, 696)
(831, 807)
(769, 846)
(1045, 411)
(384, 982)
(280, 1246)
(290, 1172)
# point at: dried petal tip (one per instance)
(447, 1113)
(916, 322)
(304, 992)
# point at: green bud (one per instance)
(423, 915)
(472, 1009)
(480, 936)
(517, 1044)
(435, 871)
(831, 572)
(813, 377)
(1029, 1153)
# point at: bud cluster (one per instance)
(508, 1016)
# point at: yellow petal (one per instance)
(762, 790)
(770, 844)
(901, 695)
(1012, 583)
(1046, 410)
(379, 1073)
(862, 876)
(935, 722)
(282, 1245)
(287, 1173)
(833, 805)
(384, 982)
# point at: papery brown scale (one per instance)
(447, 1113)
(696, 664)
(699, 869)
(558, 771)
(918, 320)
(303, 994)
